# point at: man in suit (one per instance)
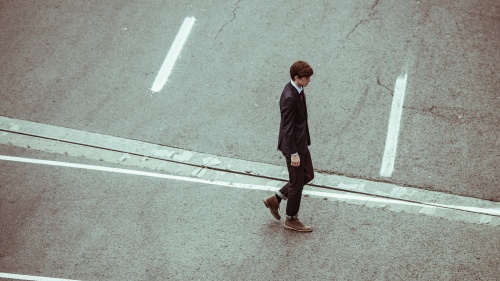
(293, 142)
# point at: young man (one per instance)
(293, 142)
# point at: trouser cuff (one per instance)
(281, 195)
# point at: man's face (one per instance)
(302, 82)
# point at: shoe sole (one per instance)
(298, 230)
(267, 206)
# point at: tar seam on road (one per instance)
(253, 175)
(173, 54)
(391, 142)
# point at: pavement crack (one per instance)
(380, 84)
(430, 110)
(237, 6)
(356, 110)
(375, 4)
(356, 26)
(455, 115)
(370, 16)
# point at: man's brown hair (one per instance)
(301, 69)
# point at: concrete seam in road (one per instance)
(200, 163)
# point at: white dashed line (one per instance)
(173, 54)
(391, 142)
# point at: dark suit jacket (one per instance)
(294, 131)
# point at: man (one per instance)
(293, 142)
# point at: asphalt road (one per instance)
(79, 224)
(90, 66)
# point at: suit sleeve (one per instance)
(288, 119)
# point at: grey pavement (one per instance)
(90, 66)
(198, 157)
(91, 225)
(207, 167)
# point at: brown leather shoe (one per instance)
(296, 225)
(273, 205)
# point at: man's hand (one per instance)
(295, 160)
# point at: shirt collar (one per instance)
(298, 89)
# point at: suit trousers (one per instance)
(298, 177)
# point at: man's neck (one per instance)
(299, 89)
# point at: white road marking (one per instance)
(173, 54)
(28, 277)
(391, 142)
(133, 172)
(344, 196)
(53, 139)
